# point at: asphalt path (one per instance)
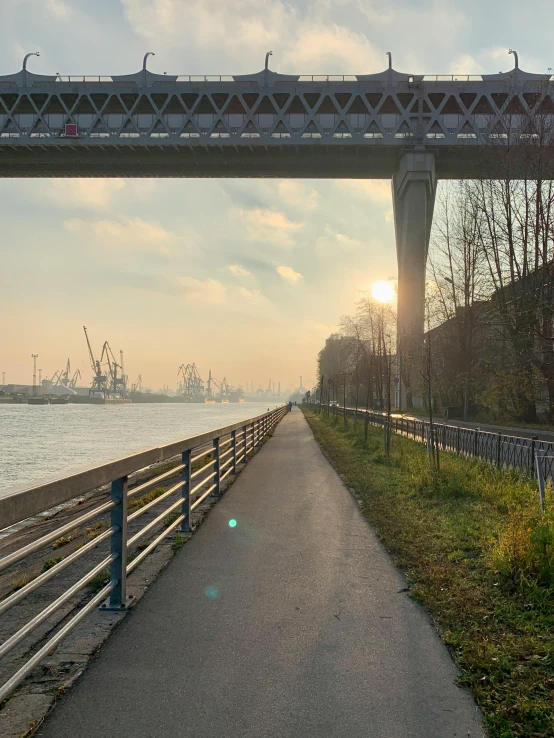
(290, 624)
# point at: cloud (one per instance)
(465, 64)
(134, 234)
(347, 242)
(255, 297)
(377, 190)
(332, 47)
(297, 194)
(322, 328)
(88, 193)
(239, 271)
(208, 291)
(264, 224)
(210, 24)
(289, 274)
(330, 240)
(59, 9)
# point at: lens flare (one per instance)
(211, 592)
(382, 291)
(232, 523)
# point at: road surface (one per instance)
(291, 624)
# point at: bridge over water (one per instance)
(412, 129)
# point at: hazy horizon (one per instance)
(243, 277)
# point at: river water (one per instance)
(39, 441)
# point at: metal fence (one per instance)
(118, 541)
(496, 448)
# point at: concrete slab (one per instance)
(289, 624)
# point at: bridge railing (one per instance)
(125, 515)
(500, 449)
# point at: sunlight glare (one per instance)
(382, 291)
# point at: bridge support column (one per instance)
(413, 194)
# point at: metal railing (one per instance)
(123, 494)
(496, 448)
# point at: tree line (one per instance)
(489, 343)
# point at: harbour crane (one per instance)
(137, 386)
(100, 379)
(117, 386)
(73, 381)
(192, 385)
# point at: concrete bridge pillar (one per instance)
(413, 194)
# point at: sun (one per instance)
(382, 291)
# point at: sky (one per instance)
(243, 277)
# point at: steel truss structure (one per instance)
(264, 124)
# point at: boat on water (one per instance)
(38, 401)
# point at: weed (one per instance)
(99, 581)
(178, 542)
(138, 502)
(95, 530)
(171, 518)
(49, 563)
(204, 461)
(22, 581)
(64, 540)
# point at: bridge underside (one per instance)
(311, 162)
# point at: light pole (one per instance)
(148, 53)
(32, 53)
(34, 358)
(266, 69)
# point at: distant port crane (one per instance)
(99, 384)
(191, 385)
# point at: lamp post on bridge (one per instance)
(144, 70)
(266, 68)
(31, 53)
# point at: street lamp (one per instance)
(32, 53)
(148, 53)
(266, 68)
(516, 58)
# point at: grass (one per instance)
(478, 555)
(171, 518)
(49, 563)
(178, 542)
(95, 530)
(22, 581)
(137, 502)
(64, 540)
(99, 581)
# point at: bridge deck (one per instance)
(307, 636)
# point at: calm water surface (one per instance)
(38, 441)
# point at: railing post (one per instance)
(498, 448)
(245, 442)
(476, 442)
(234, 447)
(533, 439)
(118, 595)
(215, 453)
(540, 478)
(185, 491)
(458, 435)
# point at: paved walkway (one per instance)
(290, 625)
